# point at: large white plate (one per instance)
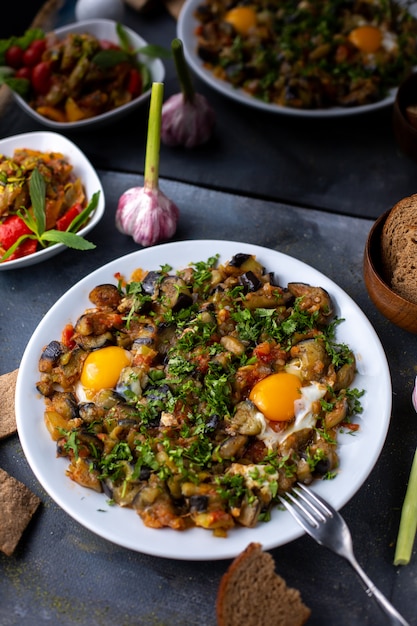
(358, 453)
(186, 26)
(47, 141)
(102, 29)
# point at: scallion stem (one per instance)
(408, 522)
(153, 142)
(183, 72)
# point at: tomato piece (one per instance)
(33, 54)
(27, 247)
(41, 77)
(108, 45)
(134, 85)
(24, 72)
(11, 229)
(14, 57)
(64, 221)
(67, 336)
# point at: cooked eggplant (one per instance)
(105, 296)
(50, 356)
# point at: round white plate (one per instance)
(47, 141)
(102, 29)
(358, 453)
(186, 26)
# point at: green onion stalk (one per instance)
(145, 212)
(408, 521)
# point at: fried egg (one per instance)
(369, 39)
(101, 370)
(275, 395)
(303, 413)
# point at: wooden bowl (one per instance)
(395, 308)
(405, 123)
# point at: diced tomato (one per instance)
(41, 77)
(28, 246)
(14, 57)
(11, 229)
(66, 219)
(67, 336)
(134, 85)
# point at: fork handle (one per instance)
(394, 617)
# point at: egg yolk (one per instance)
(241, 18)
(274, 396)
(102, 368)
(367, 38)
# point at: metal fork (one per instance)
(329, 529)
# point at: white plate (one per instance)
(186, 26)
(102, 29)
(48, 141)
(358, 453)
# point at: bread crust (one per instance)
(251, 593)
(399, 248)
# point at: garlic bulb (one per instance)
(186, 123)
(145, 212)
(187, 118)
(147, 215)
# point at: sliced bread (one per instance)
(399, 248)
(251, 593)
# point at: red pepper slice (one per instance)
(134, 85)
(66, 219)
(11, 229)
(29, 246)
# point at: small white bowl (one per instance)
(102, 29)
(47, 141)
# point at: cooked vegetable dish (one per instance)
(75, 77)
(64, 198)
(197, 396)
(308, 55)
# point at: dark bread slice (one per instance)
(251, 593)
(7, 413)
(17, 507)
(399, 248)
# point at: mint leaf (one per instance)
(154, 51)
(78, 221)
(110, 58)
(71, 240)
(37, 192)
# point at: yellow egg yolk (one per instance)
(241, 18)
(102, 368)
(274, 396)
(367, 38)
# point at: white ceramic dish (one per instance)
(102, 29)
(186, 32)
(358, 453)
(47, 141)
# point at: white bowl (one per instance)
(47, 141)
(102, 29)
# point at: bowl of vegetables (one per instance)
(52, 197)
(81, 75)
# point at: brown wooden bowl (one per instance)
(405, 131)
(395, 308)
